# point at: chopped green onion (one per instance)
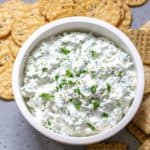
(44, 69)
(49, 122)
(71, 83)
(91, 126)
(105, 115)
(94, 54)
(81, 72)
(93, 89)
(77, 90)
(76, 103)
(69, 73)
(120, 74)
(108, 87)
(56, 77)
(95, 104)
(63, 83)
(65, 51)
(46, 96)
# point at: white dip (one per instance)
(78, 84)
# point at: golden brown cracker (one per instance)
(16, 7)
(110, 146)
(14, 48)
(137, 133)
(44, 4)
(147, 78)
(6, 20)
(5, 53)
(135, 2)
(5, 81)
(142, 118)
(33, 9)
(6, 61)
(145, 145)
(145, 26)
(23, 27)
(107, 10)
(59, 9)
(126, 22)
(141, 39)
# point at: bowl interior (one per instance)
(77, 24)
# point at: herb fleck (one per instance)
(76, 103)
(95, 104)
(91, 126)
(69, 73)
(93, 89)
(94, 54)
(46, 96)
(44, 69)
(105, 115)
(56, 77)
(108, 87)
(81, 72)
(77, 90)
(65, 51)
(120, 74)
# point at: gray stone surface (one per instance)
(17, 134)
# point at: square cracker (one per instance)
(141, 39)
(145, 26)
(145, 145)
(142, 118)
(110, 146)
(137, 133)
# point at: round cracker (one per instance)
(16, 7)
(5, 80)
(6, 20)
(14, 48)
(135, 2)
(59, 9)
(44, 4)
(126, 23)
(23, 27)
(6, 61)
(5, 53)
(107, 10)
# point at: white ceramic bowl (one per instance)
(77, 24)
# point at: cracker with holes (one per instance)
(108, 11)
(6, 20)
(145, 145)
(126, 22)
(137, 133)
(142, 118)
(135, 2)
(23, 27)
(110, 146)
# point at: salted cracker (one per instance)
(135, 3)
(142, 118)
(137, 133)
(145, 145)
(110, 146)
(141, 39)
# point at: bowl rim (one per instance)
(68, 139)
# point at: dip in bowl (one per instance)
(78, 80)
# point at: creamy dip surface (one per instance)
(78, 84)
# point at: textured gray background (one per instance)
(17, 134)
